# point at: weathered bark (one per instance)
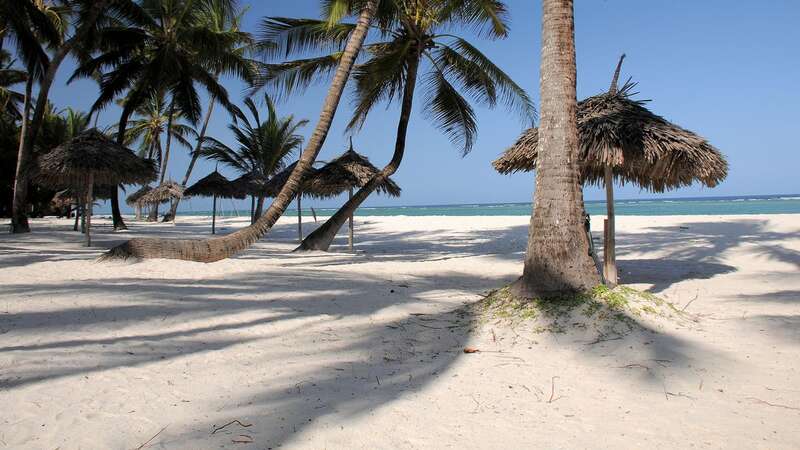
(19, 221)
(116, 214)
(556, 262)
(19, 217)
(195, 154)
(217, 248)
(322, 237)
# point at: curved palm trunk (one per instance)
(215, 249)
(19, 217)
(557, 261)
(609, 250)
(195, 154)
(323, 236)
(119, 223)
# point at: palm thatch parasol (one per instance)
(214, 185)
(343, 174)
(163, 193)
(275, 184)
(92, 158)
(133, 200)
(621, 139)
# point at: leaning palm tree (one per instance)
(169, 50)
(221, 18)
(417, 49)
(263, 147)
(209, 250)
(88, 14)
(556, 261)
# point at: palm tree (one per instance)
(223, 19)
(25, 13)
(147, 126)
(416, 40)
(170, 50)
(556, 262)
(215, 249)
(264, 147)
(10, 100)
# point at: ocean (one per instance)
(757, 204)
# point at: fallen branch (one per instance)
(151, 439)
(245, 425)
(776, 405)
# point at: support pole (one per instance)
(77, 215)
(88, 213)
(350, 237)
(610, 268)
(252, 209)
(214, 216)
(299, 219)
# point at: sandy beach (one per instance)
(275, 349)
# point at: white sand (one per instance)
(365, 351)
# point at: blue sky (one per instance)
(726, 70)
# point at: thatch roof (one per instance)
(642, 148)
(92, 152)
(214, 184)
(275, 184)
(132, 199)
(350, 170)
(249, 184)
(161, 194)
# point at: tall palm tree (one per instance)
(86, 15)
(417, 39)
(171, 50)
(264, 147)
(556, 261)
(214, 249)
(223, 19)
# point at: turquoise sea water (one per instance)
(761, 204)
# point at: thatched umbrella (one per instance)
(253, 185)
(275, 184)
(163, 193)
(92, 158)
(70, 196)
(343, 174)
(214, 185)
(620, 139)
(133, 200)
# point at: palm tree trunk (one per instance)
(252, 209)
(557, 261)
(19, 217)
(119, 223)
(77, 216)
(259, 208)
(322, 237)
(195, 153)
(165, 161)
(215, 249)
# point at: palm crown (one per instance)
(409, 30)
(263, 147)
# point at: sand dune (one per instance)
(365, 350)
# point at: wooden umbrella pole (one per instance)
(350, 237)
(610, 258)
(88, 211)
(77, 215)
(299, 219)
(214, 216)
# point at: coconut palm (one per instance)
(148, 125)
(86, 15)
(214, 249)
(223, 19)
(455, 74)
(10, 100)
(263, 147)
(556, 261)
(169, 50)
